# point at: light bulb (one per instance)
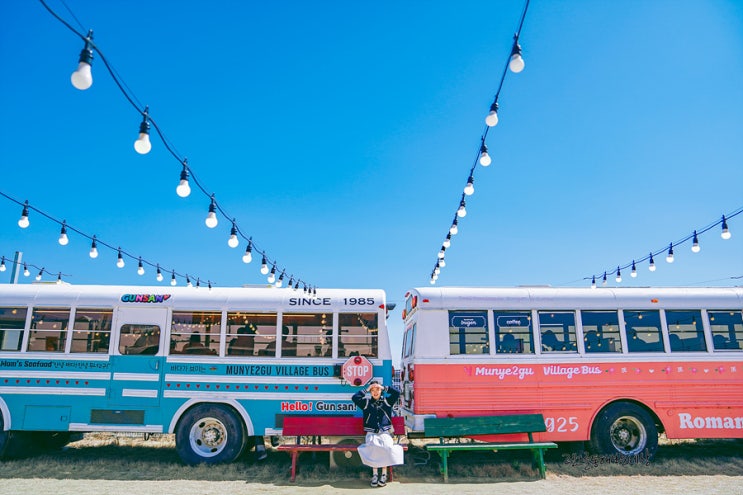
(63, 239)
(248, 256)
(183, 189)
(619, 276)
(453, 230)
(140, 268)
(433, 281)
(143, 145)
(442, 262)
(23, 221)
(725, 234)
(492, 119)
(651, 266)
(279, 283)
(593, 282)
(695, 244)
(485, 159)
(462, 211)
(669, 257)
(233, 241)
(437, 270)
(517, 63)
(2, 265)
(93, 250)
(633, 273)
(272, 275)
(59, 279)
(38, 276)
(603, 282)
(447, 241)
(120, 260)
(211, 219)
(469, 189)
(26, 273)
(188, 282)
(172, 280)
(264, 266)
(159, 276)
(82, 78)
(442, 253)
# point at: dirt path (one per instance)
(554, 485)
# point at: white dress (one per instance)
(380, 451)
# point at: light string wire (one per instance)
(696, 234)
(183, 161)
(481, 147)
(93, 238)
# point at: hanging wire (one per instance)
(143, 111)
(92, 238)
(653, 254)
(481, 146)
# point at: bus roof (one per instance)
(186, 297)
(577, 298)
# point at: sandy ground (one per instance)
(554, 485)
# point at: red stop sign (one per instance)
(357, 370)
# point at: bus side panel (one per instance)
(687, 399)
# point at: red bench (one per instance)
(328, 426)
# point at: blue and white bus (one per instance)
(215, 367)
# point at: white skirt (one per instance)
(379, 451)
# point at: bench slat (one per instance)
(483, 425)
(492, 446)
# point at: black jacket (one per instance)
(377, 413)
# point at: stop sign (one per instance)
(357, 370)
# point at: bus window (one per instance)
(357, 335)
(195, 332)
(407, 350)
(601, 331)
(468, 332)
(139, 339)
(643, 331)
(685, 331)
(12, 322)
(305, 335)
(48, 329)
(91, 331)
(513, 332)
(557, 331)
(727, 329)
(250, 334)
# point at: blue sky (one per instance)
(339, 135)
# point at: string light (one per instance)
(63, 239)
(143, 145)
(2, 265)
(211, 218)
(516, 63)
(82, 78)
(93, 249)
(26, 273)
(173, 281)
(670, 258)
(39, 275)
(593, 282)
(140, 268)
(159, 276)
(469, 189)
(183, 189)
(447, 241)
(619, 275)
(264, 266)
(272, 275)
(725, 234)
(485, 159)
(23, 221)
(248, 256)
(120, 260)
(233, 241)
(492, 119)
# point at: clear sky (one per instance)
(340, 135)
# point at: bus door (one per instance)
(137, 363)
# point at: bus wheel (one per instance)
(4, 437)
(211, 434)
(624, 428)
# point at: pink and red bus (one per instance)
(610, 366)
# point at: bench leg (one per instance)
(444, 464)
(295, 454)
(539, 458)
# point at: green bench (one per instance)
(447, 428)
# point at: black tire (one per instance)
(626, 429)
(347, 458)
(210, 434)
(4, 437)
